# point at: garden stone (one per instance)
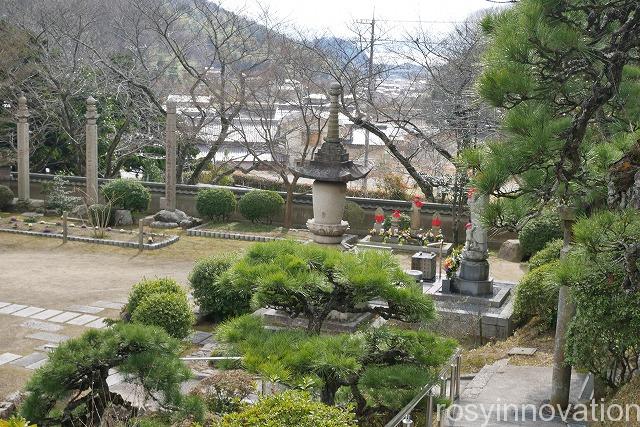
(171, 216)
(511, 250)
(160, 224)
(79, 211)
(51, 212)
(32, 215)
(185, 223)
(122, 217)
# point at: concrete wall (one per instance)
(186, 201)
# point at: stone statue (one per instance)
(476, 246)
(473, 274)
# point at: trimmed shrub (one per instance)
(537, 295)
(148, 287)
(538, 232)
(354, 215)
(550, 253)
(215, 291)
(260, 205)
(216, 203)
(290, 408)
(127, 194)
(168, 310)
(6, 196)
(58, 196)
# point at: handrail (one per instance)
(454, 379)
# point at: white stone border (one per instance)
(134, 245)
(198, 232)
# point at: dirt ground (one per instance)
(45, 273)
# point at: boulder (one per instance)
(185, 223)
(511, 250)
(122, 217)
(79, 211)
(162, 224)
(170, 216)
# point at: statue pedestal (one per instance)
(473, 278)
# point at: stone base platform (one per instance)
(433, 248)
(489, 315)
(340, 323)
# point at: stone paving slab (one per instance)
(29, 360)
(4, 304)
(89, 309)
(85, 318)
(41, 326)
(38, 364)
(98, 324)
(64, 317)
(12, 308)
(44, 315)
(8, 357)
(198, 337)
(109, 304)
(27, 312)
(47, 348)
(48, 336)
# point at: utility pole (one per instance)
(369, 100)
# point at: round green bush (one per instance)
(537, 295)
(215, 203)
(550, 253)
(127, 194)
(354, 215)
(148, 287)
(6, 196)
(261, 205)
(168, 310)
(538, 232)
(214, 290)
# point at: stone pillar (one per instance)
(170, 160)
(91, 152)
(561, 377)
(23, 149)
(416, 215)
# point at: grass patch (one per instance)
(533, 334)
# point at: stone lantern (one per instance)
(331, 169)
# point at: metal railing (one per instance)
(446, 386)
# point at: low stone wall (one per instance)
(302, 210)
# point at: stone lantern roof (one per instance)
(331, 161)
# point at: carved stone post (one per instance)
(23, 149)
(561, 378)
(170, 161)
(91, 151)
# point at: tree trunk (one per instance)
(315, 324)
(328, 392)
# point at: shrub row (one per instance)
(256, 205)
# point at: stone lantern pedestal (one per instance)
(331, 169)
(327, 225)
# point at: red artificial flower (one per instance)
(471, 191)
(396, 214)
(379, 218)
(418, 202)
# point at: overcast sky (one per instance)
(333, 15)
